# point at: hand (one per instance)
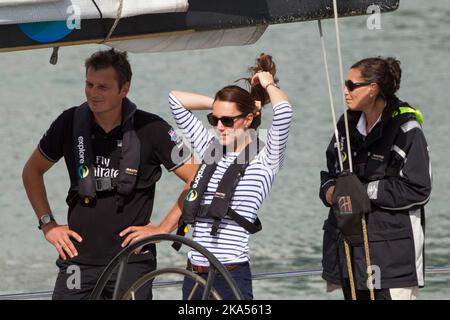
(59, 236)
(263, 78)
(136, 233)
(258, 108)
(329, 195)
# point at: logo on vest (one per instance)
(199, 176)
(377, 157)
(81, 150)
(82, 171)
(191, 196)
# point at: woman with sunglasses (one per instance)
(390, 158)
(235, 114)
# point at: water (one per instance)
(33, 93)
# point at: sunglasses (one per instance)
(353, 85)
(226, 121)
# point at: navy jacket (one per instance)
(392, 162)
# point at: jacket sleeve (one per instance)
(328, 178)
(412, 187)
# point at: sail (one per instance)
(192, 40)
(160, 25)
(26, 11)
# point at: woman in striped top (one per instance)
(235, 112)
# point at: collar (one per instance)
(128, 110)
(361, 126)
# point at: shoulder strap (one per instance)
(131, 153)
(84, 154)
(191, 204)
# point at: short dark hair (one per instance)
(111, 58)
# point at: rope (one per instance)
(349, 154)
(367, 254)
(341, 73)
(116, 22)
(98, 9)
(350, 269)
(330, 95)
(336, 134)
(363, 218)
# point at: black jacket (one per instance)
(393, 164)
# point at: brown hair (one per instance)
(245, 100)
(386, 72)
(111, 58)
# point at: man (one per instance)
(113, 153)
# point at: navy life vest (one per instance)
(87, 185)
(220, 205)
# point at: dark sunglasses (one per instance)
(226, 121)
(353, 85)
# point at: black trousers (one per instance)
(76, 281)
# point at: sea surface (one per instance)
(33, 93)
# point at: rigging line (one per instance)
(341, 73)
(98, 9)
(116, 22)
(101, 15)
(336, 134)
(330, 94)
(363, 217)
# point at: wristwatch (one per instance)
(45, 219)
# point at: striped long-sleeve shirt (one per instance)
(230, 245)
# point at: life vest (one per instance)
(86, 184)
(220, 205)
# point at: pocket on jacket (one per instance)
(393, 258)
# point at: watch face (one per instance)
(45, 219)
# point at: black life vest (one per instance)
(220, 205)
(87, 185)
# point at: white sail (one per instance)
(191, 41)
(23, 11)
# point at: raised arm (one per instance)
(193, 101)
(181, 104)
(274, 152)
